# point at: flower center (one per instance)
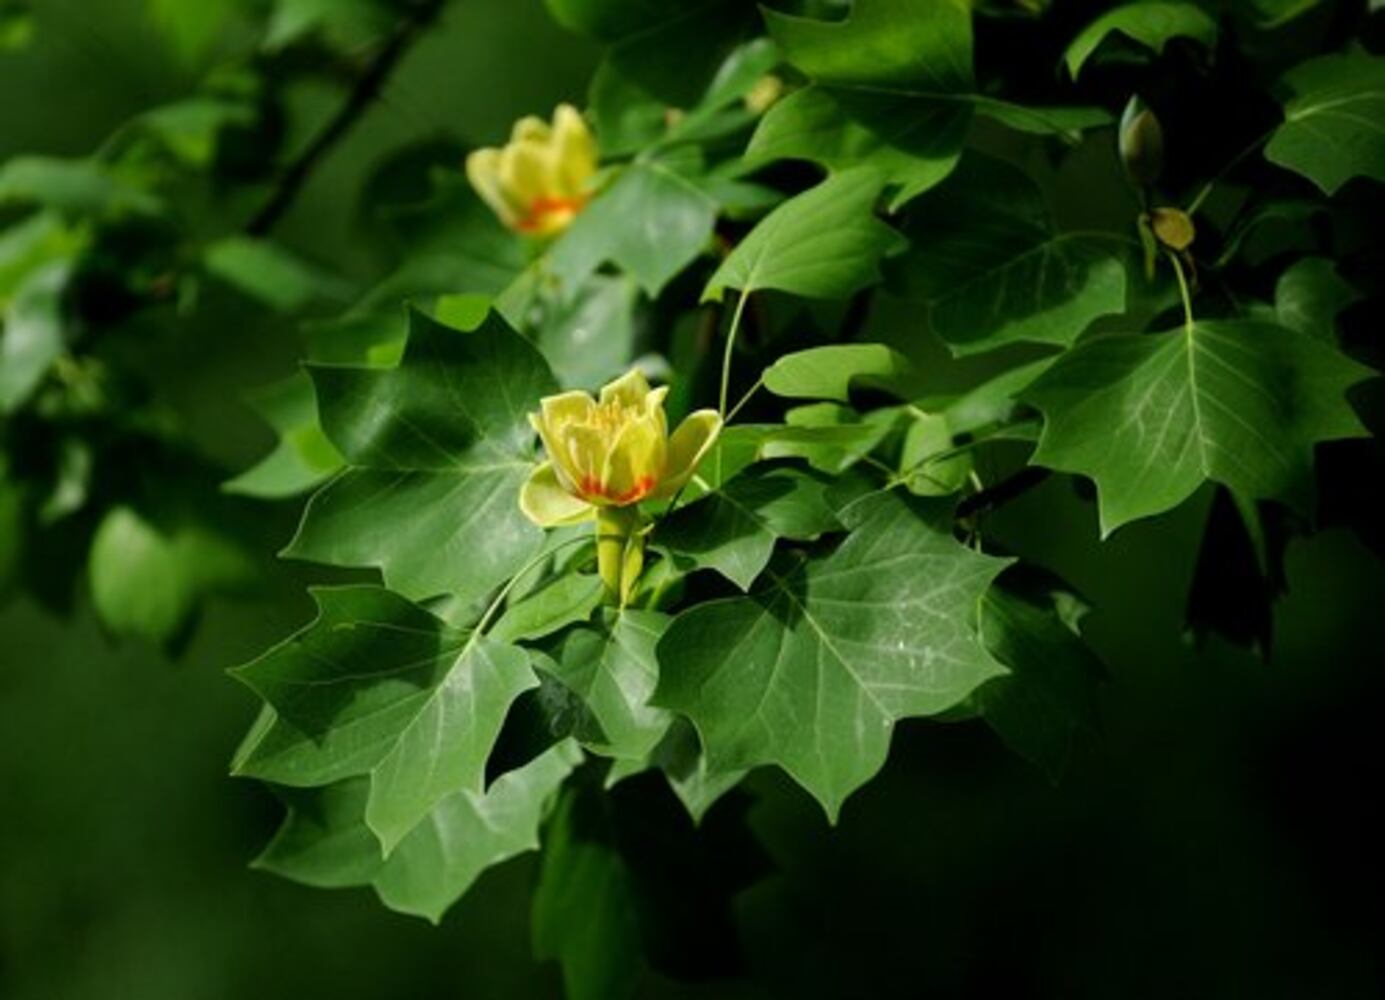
(543, 208)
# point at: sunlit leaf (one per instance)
(1151, 24)
(1334, 122)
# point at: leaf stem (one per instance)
(730, 348)
(499, 599)
(1231, 165)
(759, 382)
(1183, 291)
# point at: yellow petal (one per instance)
(628, 390)
(565, 408)
(585, 448)
(530, 128)
(483, 171)
(636, 461)
(545, 501)
(574, 150)
(686, 448)
(525, 172)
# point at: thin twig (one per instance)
(365, 92)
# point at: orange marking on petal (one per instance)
(544, 206)
(642, 488)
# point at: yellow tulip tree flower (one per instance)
(539, 181)
(605, 455)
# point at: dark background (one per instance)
(1218, 841)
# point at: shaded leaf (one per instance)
(1309, 295)
(733, 529)
(986, 257)
(303, 457)
(1149, 418)
(1334, 122)
(378, 686)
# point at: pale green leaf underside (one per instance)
(812, 670)
(1149, 418)
(828, 372)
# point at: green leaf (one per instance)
(378, 686)
(829, 437)
(303, 457)
(1151, 24)
(670, 50)
(147, 578)
(824, 243)
(1273, 13)
(74, 187)
(189, 129)
(1047, 703)
(1150, 417)
(733, 529)
(828, 372)
(191, 28)
(347, 24)
(1334, 122)
(324, 840)
(590, 339)
(570, 598)
(986, 257)
(927, 461)
(437, 449)
(891, 89)
(651, 223)
(812, 669)
(584, 908)
(42, 238)
(32, 336)
(614, 671)
(1309, 295)
(269, 274)
(469, 832)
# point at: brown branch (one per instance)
(365, 91)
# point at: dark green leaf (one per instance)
(268, 273)
(1151, 417)
(570, 598)
(987, 258)
(437, 450)
(1334, 122)
(1309, 295)
(733, 529)
(378, 686)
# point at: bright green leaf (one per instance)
(651, 223)
(568, 599)
(1151, 24)
(812, 669)
(829, 372)
(825, 243)
(32, 336)
(303, 457)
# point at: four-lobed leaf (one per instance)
(1151, 417)
(987, 258)
(812, 669)
(378, 686)
(436, 450)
